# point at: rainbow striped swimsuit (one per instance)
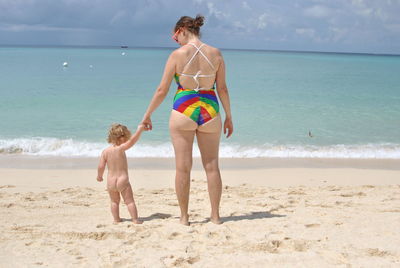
(199, 105)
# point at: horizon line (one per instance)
(161, 47)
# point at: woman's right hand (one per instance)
(147, 123)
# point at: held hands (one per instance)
(228, 127)
(141, 127)
(148, 125)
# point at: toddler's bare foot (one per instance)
(116, 221)
(184, 220)
(137, 221)
(216, 220)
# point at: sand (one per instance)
(338, 215)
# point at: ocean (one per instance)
(350, 103)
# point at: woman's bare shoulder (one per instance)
(215, 54)
(179, 52)
(213, 50)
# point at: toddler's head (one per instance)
(118, 134)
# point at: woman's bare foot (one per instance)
(116, 221)
(184, 220)
(216, 220)
(137, 221)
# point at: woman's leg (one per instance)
(182, 130)
(208, 136)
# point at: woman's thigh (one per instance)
(208, 138)
(182, 130)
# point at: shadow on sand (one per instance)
(156, 216)
(250, 216)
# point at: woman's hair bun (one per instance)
(191, 24)
(198, 21)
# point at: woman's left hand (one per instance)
(228, 127)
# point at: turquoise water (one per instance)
(350, 103)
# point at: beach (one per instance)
(309, 90)
(276, 213)
(311, 174)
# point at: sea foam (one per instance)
(43, 146)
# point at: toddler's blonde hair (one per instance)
(117, 131)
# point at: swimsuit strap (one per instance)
(194, 54)
(197, 75)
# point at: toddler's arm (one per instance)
(101, 167)
(134, 138)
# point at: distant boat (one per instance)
(124, 46)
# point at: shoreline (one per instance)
(44, 162)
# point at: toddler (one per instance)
(114, 157)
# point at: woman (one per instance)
(197, 67)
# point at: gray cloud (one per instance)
(322, 25)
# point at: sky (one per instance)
(363, 26)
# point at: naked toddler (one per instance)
(114, 158)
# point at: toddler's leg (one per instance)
(127, 195)
(115, 198)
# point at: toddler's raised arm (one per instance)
(134, 138)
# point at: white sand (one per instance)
(273, 217)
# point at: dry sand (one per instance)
(273, 217)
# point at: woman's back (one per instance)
(197, 65)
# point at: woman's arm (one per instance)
(223, 95)
(161, 91)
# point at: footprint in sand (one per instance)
(7, 186)
(368, 186)
(173, 261)
(297, 192)
(29, 243)
(173, 235)
(353, 194)
(312, 225)
(211, 235)
(8, 205)
(334, 188)
(376, 252)
(76, 203)
(300, 245)
(272, 246)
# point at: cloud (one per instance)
(262, 21)
(341, 25)
(317, 11)
(39, 28)
(308, 32)
(338, 33)
(213, 11)
(119, 17)
(245, 5)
